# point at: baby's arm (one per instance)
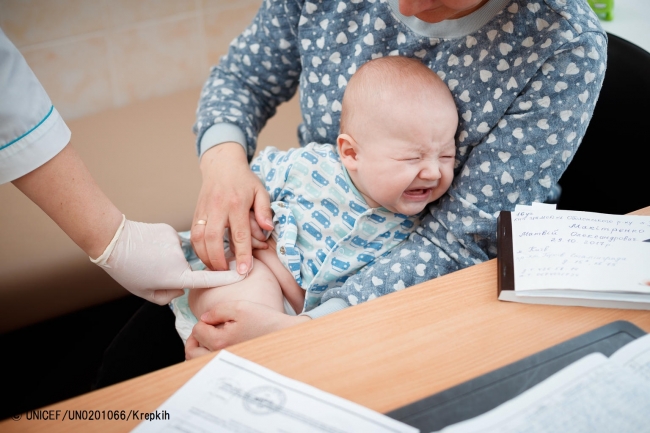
(260, 286)
(290, 288)
(266, 252)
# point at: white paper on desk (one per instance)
(557, 249)
(232, 394)
(595, 394)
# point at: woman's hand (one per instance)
(232, 322)
(147, 260)
(258, 238)
(229, 191)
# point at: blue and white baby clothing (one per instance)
(324, 229)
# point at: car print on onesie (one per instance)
(313, 191)
(375, 245)
(270, 175)
(337, 195)
(327, 167)
(346, 251)
(312, 230)
(368, 228)
(309, 157)
(400, 236)
(287, 193)
(302, 169)
(376, 218)
(356, 207)
(331, 243)
(330, 206)
(318, 288)
(359, 242)
(342, 183)
(367, 258)
(294, 181)
(321, 256)
(319, 179)
(348, 220)
(312, 266)
(340, 264)
(341, 232)
(304, 203)
(407, 224)
(321, 218)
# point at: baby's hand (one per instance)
(258, 238)
(193, 349)
(232, 322)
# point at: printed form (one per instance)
(232, 394)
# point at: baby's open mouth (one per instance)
(419, 192)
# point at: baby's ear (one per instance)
(347, 148)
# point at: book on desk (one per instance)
(548, 256)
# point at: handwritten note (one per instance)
(555, 249)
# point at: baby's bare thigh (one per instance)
(259, 286)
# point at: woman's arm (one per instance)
(146, 259)
(64, 189)
(260, 71)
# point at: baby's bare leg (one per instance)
(260, 286)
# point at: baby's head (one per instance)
(398, 123)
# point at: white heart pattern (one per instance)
(504, 156)
(487, 190)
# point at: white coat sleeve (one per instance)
(31, 130)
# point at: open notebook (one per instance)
(548, 256)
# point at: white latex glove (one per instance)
(147, 260)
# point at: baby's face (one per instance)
(406, 155)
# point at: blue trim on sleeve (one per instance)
(31, 130)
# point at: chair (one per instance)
(609, 172)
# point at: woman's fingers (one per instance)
(240, 234)
(256, 230)
(262, 209)
(213, 241)
(207, 227)
(223, 198)
(228, 193)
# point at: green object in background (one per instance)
(603, 8)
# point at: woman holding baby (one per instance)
(525, 77)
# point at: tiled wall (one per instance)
(96, 54)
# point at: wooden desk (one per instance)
(382, 354)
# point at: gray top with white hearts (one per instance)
(525, 76)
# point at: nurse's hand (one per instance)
(148, 261)
(228, 193)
